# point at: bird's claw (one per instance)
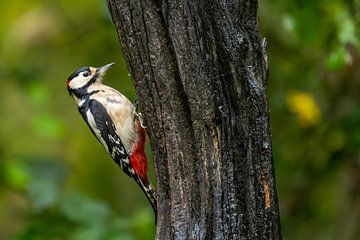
(138, 113)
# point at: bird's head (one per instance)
(83, 77)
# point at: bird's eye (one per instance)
(85, 74)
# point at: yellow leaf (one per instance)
(304, 106)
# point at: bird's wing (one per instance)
(104, 129)
(122, 113)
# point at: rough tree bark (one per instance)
(200, 72)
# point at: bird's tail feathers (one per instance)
(149, 191)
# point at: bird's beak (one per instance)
(100, 71)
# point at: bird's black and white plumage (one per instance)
(113, 120)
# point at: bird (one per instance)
(113, 120)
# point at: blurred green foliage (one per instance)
(56, 182)
(314, 96)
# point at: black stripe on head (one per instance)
(77, 72)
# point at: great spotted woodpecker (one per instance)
(112, 118)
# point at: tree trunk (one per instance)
(200, 72)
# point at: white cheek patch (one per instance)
(79, 82)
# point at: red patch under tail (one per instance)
(139, 163)
(138, 157)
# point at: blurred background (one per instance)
(56, 182)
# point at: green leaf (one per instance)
(288, 22)
(306, 24)
(347, 32)
(16, 173)
(338, 58)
